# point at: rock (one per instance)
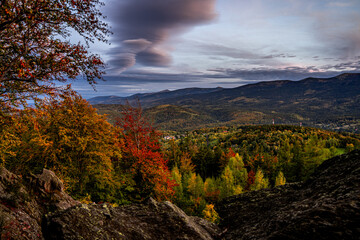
(51, 188)
(36, 207)
(150, 220)
(327, 206)
(24, 202)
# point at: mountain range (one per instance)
(327, 102)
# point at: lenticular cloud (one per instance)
(142, 28)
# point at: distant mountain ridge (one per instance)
(150, 97)
(309, 101)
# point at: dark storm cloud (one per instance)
(143, 27)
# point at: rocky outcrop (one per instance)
(24, 202)
(38, 208)
(150, 220)
(327, 206)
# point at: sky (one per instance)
(172, 44)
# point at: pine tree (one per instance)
(260, 181)
(280, 179)
(177, 177)
(227, 183)
(240, 174)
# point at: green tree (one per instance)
(239, 172)
(177, 177)
(280, 179)
(227, 183)
(260, 181)
(211, 190)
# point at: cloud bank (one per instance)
(143, 29)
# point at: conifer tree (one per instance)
(260, 181)
(177, 177)
(280, 179)
(227, 183)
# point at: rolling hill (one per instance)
(324, 102)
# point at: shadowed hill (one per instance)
(326, 206)
(312, 101)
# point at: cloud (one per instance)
(135, 78)
(338, 29)
(220, 50)
(136, 45)
(286, 73)
(143, 29)
(154, 57)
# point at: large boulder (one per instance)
(24, 202)
(149, 220)
(36, 207)
(327, 206)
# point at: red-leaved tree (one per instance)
(35, 47)
(141, 155)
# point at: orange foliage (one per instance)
(141, 154)
(34, 47)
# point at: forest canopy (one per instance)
(129, 161)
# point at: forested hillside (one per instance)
(328, 103)
(211, 164)
(53, 142)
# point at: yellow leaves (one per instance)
(260, 181)
(280, 179)
(7, 141)
(66, 135)
(210, 214)
(186, 165)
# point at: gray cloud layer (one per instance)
(288, 73)
(142, 28)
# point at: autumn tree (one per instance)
(260, 181)
(210, 214)
(280, 179)
(239, 171)
(142, 156)
(177, 177)
(227, 183)
(66, 135)
(35, 47)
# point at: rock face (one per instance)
(327, 206)
(151, 220)
(24, 202)
(38, 208)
